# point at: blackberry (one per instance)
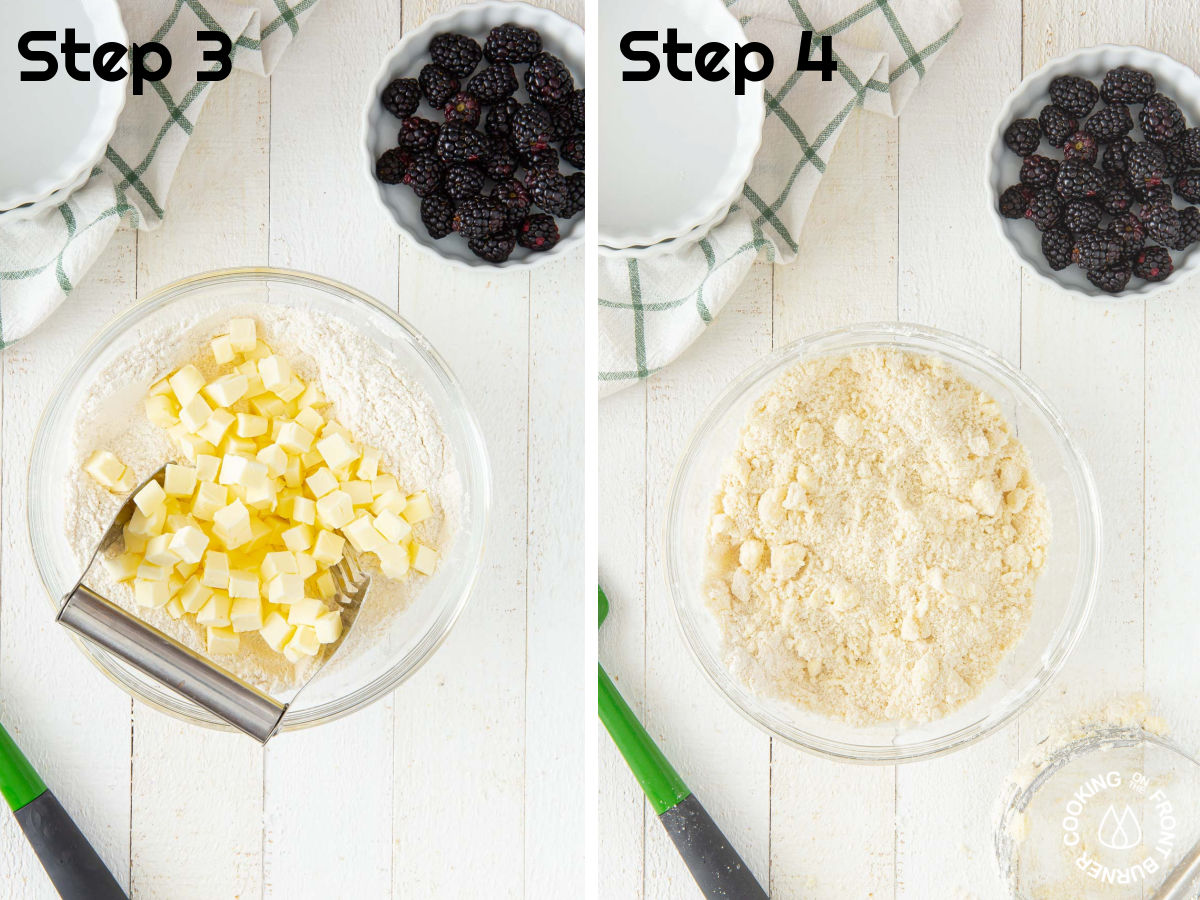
(462, 181)
(548, 80)
(1116, 156)
(1113, 279)
(1037, 171)
(460, 144)
(1162, 222)
(1078, 181)
(1075, 95)
(1015, 200)
(1023, 136)
(499, 117)
(572, 151)
(1095, 250)
(1128, 229)
(1118, 195)
(1175, 162)
(1146, 165)
(1153, 264)
(390, 167)
(437, 212)
(538, 232)
(462, 109)
(575, 105)
(494, 248)
(531, 129)
(1056, 247)
(1045, 209)
(1154, 194)
(502, 162)
(493, 84)
(542, 159)
(512, 44)
(456, 53)
(424, 174)
(1109, 124)
(417, 134)
(1081, 215)
(576, 184)
(480, 217)
(437, 85)
(1057, 124)
(1081, 146)
(1161, 119)
(1189, 143)
(1126, 85)
(514, 198)
(1187, 186)
(547, 189)
(402, 97)
(1189, 228)
(562, 126)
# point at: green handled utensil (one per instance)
(75, 869)
(716, 866)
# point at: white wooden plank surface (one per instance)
(463, 783)
(901, 210)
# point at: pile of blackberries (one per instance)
(488, 183)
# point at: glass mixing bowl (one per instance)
(366, 667)
(1064, 594)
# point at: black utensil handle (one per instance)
(709, 856)
(73, 865)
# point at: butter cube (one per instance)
(305, 611)
(424, 559)
(328, 548)
(195, 413)
(311, 460)
(268, 405)
(151, 499)
(303, 642)
(337, 452)
(309, 419)
(246, 614)
(243, 584)
(294, 438)
(180, 481)
(227, 390)
(134, 543)
(418, 508)
(321, 482)
(290, 391)
(395, 529)
(275, 372)
(210, 497)
(222, 641)
(328, 626)
(222, 350)
(162, 411)
(293, 476)
(299, 537)
(312, 398)
(207, 467)
(242, 334)
(240, 446)
(261, 493)
(306, 566)
(188, 544)
(335, 510)
(151, 594)
(232, 525)
(368, 465)
(275, 458)
(326, 587)
(148, 571)
(384, 483)
(105, 468)
(121, 568)
(304, 511)
(389, 501)
(280, 562)
(362, 534)
(241, 470)
(174, 608)
(193, 595)
(216, 611)
(216, 570)
(216, 426)
(285, 588)
(249, 426)
(147, 526)
(159, 552)
(393, 560)
(359, 491)
(276, 631)
(186, 383)
(159, 388)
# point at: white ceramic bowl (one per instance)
(673, 154)
(559, 36)
(58, 129)
(1003, 166)
(1063, 598)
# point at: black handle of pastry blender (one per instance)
(169, 662)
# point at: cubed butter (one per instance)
(424, 559)
(337, 452)
(418, 508)
(151, 499)
(305, 611)
(222, 350)
(186, 383)
(216, 426)
(303, 642)
(159, 552)
(250, 426)
(207, 467)
(328, 548)
(275, 372)
(393, 559)
(285, 588)
(243, 334)
(179, 481)
(246, 613)
(362, 534)
(222, 641)
(298, 537)
(395, 529)
(227, 390)
(151, 594)
(193, 595)
(195, 413)
(216, 611)
(304, 511)
(162, 411)
(216, 570)
(276, 631)
(121, 568)
(242, 584)
(328, 626)
(335, 510)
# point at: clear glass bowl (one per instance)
(363, 670)
(1064, 593)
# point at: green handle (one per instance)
(662, 784)
(19, 782)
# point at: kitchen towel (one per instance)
(44, 257)
(652, 309)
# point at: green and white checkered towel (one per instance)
(44, 257)
(652, 309)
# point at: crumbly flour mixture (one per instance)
(369, 394)
(874, 544)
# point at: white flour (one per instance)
(369, 394)
(875, 540)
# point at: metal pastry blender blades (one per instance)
(172, 664)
